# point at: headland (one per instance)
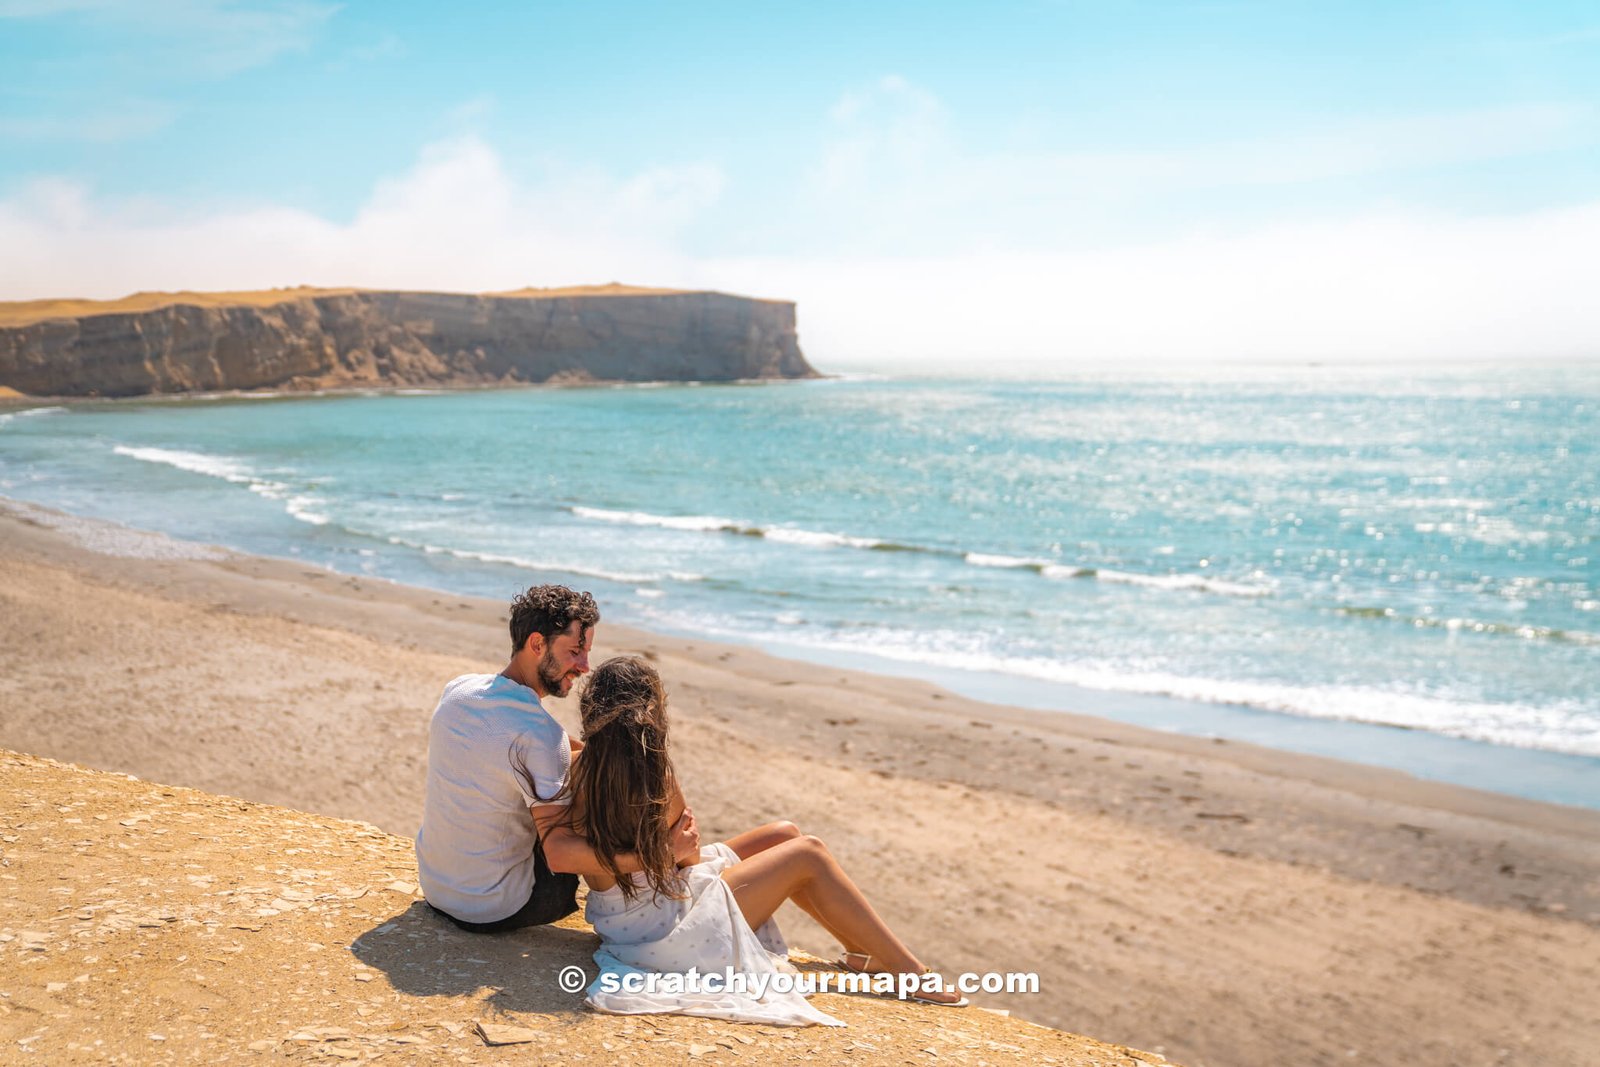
(307, 339)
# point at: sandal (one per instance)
(843, 963)
(846, 963)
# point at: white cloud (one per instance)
(1338, 150)
(126, 119)
(1371, 288)
(897, 172)
(891, 126)
(457, 220)
(208, 37)
(131, 53)
(1378, 286)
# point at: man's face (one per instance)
(565, 659)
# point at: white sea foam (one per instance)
(1192, 582)
(789, 535)
(1462, 624)
(193, 462)
(300, 507)
(1196, 582)
(984, 559)
(1038, 566)
(668, 522)
(304, 507)
(27, 412)
(525, 563)
(1566, 726)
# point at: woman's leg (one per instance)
(803, 864)
(762, 838)
(753, 842)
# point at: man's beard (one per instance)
(555, 682)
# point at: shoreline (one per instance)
(1217, 902)
(1540, 775)
(11, 399)
(1381, 782)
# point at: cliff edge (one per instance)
(343, 338)
(146, 923)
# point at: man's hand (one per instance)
(685, 840)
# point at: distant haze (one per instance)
(1040, 188)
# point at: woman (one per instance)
(710, 915)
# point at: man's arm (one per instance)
(566, 852)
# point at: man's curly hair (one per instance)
(548, 610)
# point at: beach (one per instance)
(1211, 901)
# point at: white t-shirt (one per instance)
(491, 748)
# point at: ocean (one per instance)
(1400, 567)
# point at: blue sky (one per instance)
(1041, 183)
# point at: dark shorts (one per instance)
(554, 896)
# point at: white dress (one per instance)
(704, 931)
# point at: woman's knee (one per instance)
(784, 830)
(814, 848)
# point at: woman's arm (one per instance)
(677, 809)
(565, 851)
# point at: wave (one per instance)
(525, 563)
(193, 462)
(699, 523)
(1565, 727)
(1476, 626)
(1195, 582)
(301, 506)
(984, 559)
(26, 412)
(821, 539)
(789, 535)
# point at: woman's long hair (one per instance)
(622, 783)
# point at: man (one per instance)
(497, 763)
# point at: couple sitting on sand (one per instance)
(516, 811)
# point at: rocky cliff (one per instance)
(312, 339)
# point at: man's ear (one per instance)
(535, 643)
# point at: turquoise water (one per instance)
(1309, 547)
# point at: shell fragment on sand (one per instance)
(500, 1034)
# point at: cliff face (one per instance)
(414, 339)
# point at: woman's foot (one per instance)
(861, 963)
(857, 962)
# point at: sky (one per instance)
(1036, 185)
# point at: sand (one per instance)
(146, 924)
(1215, 903)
